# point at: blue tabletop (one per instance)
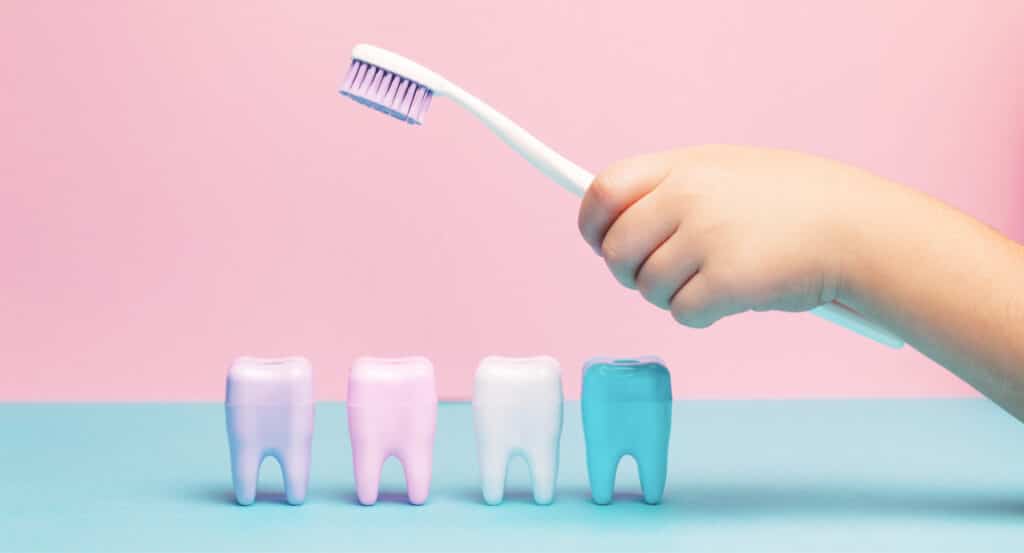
(873, 475)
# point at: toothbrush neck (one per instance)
(567, 174)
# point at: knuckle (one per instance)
(625, 280)
(648, 293)
(650, 273)
(604, 189)
(611, 253)
(658, 300)
(612, 185)
(692, 319)
(651, 286)
(583, 222)
(621, 264)
(688, 310)
(645, 287)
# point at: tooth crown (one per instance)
(376, 380)
(517, 409)
(270, 381)
(518, 399)
(392, 410)
(644, 378)
(627, 410)
(269, 412)
(522, 380)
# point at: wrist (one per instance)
(852, 280)
(871, 228)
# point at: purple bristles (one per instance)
(387, 92)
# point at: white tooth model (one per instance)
(517, 410)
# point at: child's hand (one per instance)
(715, 230)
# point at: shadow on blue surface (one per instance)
(221, 495)
(726, 499)
(385, 496)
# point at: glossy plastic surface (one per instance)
(269, 410)
(517, 411)
(627, 410)
(392, 411)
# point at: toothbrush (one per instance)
(402, 88)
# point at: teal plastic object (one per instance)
(627, 410)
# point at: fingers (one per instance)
(669, 268)
(702, 301)
(615, 189)
(649, 246)
(634, 235)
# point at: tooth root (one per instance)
(295, 469)
(493, 468)
(245, 472)
(392, 410)
(367, 464)
(653, 470)
(543, 461)
(601, 467)
(417, 463)
(627, 410)
(269, 410)
(651, 455)
(517, 410)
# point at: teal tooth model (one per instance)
(627, 410)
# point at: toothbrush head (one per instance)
(387, 92)
(390, 83)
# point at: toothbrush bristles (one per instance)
(387, 92)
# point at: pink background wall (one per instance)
(180, 182)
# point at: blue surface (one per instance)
(915, 475)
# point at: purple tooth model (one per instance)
(269, 409)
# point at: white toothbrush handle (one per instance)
(575, 179)
(852, 320)
(567, 174)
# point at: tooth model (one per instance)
(517, 410)
(392, 410)
(627, 410)
(269, 410)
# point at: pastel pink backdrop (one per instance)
(180, 182)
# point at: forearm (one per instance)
(951, 286)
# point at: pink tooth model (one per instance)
(269, 410)
(392, 410)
